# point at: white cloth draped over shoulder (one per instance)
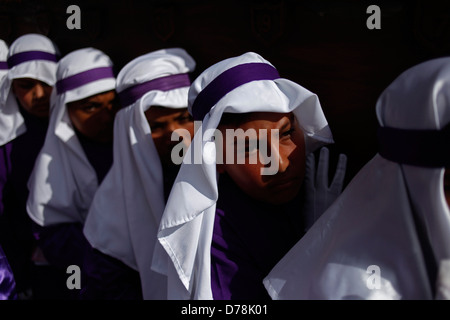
(63, 182)
(187, 223)
(126, 211)
(29, 56)
(3, 60)
(369, 243)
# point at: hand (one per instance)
(319, 196)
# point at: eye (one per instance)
(90, 108)
(288, 132)
(156, 126)
(185, 117)
(26, 85)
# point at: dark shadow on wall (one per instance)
(323, 45)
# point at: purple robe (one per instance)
(17, 159)
(7, 282)
(249, 238)
(109, 278)
(64, 244)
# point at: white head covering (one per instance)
(29, 56)
(370, 229)
(247, 83)
(63, 181)
(125, 213)
(3, 60)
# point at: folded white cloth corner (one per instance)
(3, 60)
(389, 230)
(125, 213)
(187, 223)
(63, 182)
(30, 56)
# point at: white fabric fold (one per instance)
(3, 57)
(126, 211)
(371, 225)
(63, 182)
(11, 121)
(186, 226)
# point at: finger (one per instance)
(310, 170)
(339, 176)
(322, 168)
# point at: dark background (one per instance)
(324, 45)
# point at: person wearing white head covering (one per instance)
(387, 236)
(124, 216)
(222, 232)
(24, 109)
(75, 157)
(3, 60)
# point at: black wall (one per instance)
(323, 45)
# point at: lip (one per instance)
(285, 183)
(41, 107)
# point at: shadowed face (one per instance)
(286, 144)
(94, 116)
(447, 185)
(33, 95)
(163, 122)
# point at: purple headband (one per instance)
(82, 78)
(228, 81)
(3, 65)
(424, 148)
(174, 81)
(25, 56)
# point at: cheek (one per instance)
(81, 122)
(25, 98)
(246, 176)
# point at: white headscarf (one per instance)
(3, 60)
(29, 56)
(186, 227)
(125, 213)
(370, 230)
(63, 181)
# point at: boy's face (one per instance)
(163, 121)
(33, 96)
(285, 184)
(447, 185)
(94, 116)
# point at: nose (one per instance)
(39, 91)
(283, 160)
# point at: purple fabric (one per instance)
(249, 238)
(3, 65)
(63, 244)
(82, 78)
(175, 81)
(7, 282)
(228, 81)
(5, 170)
(107, 278)
(100, 155)
(21, 57)
(425, 148)
(16, 237)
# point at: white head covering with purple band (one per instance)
(63, 181)
(247, 83)
(388, 233)
(125, 213)
(3, 60)
(29, 56)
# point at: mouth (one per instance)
(41, 107)
(286, 183)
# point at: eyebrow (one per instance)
(290, 121)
